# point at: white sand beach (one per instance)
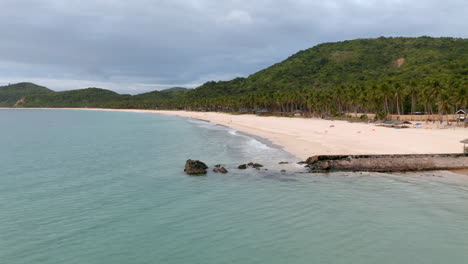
(304, 137)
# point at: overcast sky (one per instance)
(132, 46)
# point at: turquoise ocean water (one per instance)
(108, 187)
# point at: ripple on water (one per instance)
(120, 196)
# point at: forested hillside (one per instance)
(89, 97)
(383, 75)
(10, 94)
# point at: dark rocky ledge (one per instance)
(387, 163)
(195, 167)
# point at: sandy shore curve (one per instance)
(304, 137)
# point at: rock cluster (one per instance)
(250, 164)
(220, 169)
(242, 167)
(195, 167)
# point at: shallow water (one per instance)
(108, 187)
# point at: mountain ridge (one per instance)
(387, 71)
(10, 94)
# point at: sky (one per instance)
(141, 45)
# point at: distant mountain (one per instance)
(89, 97)
(382, 75)
(10, 94)
(361, 62)
(167, 93)
(156, 98)
(174, 89)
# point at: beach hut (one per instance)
(298, 113)
(465, 148)
(461, 114)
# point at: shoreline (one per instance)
(305, 137)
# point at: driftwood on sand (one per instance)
(387, 163)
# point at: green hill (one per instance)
(10, 94)
(89, 97)
(162, 94)
(358, 62)
(383, 75)
(174, 89)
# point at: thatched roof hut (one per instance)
(465, 148)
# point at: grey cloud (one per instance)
(134, 46)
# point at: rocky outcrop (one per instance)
(220, 169)
(387, 163)
(195, 167)
(242, 167)
(254, 165)
(250, 164)
(20, 102)
(223, 170)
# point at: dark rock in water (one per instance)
(218, 166)
(221, 170)
(195, 167)
(283, 162)
(302, 162)
(283, 171)
(250, 164)
(256, 165)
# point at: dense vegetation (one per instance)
(75, 98)
(10, 94)
(383, 76)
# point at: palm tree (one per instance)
(444, 103)
(374, 99)
(398, 94)
(412, 90)
(385, 91)
(436, 91)
(460, 95)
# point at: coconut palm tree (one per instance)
(444, 104)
